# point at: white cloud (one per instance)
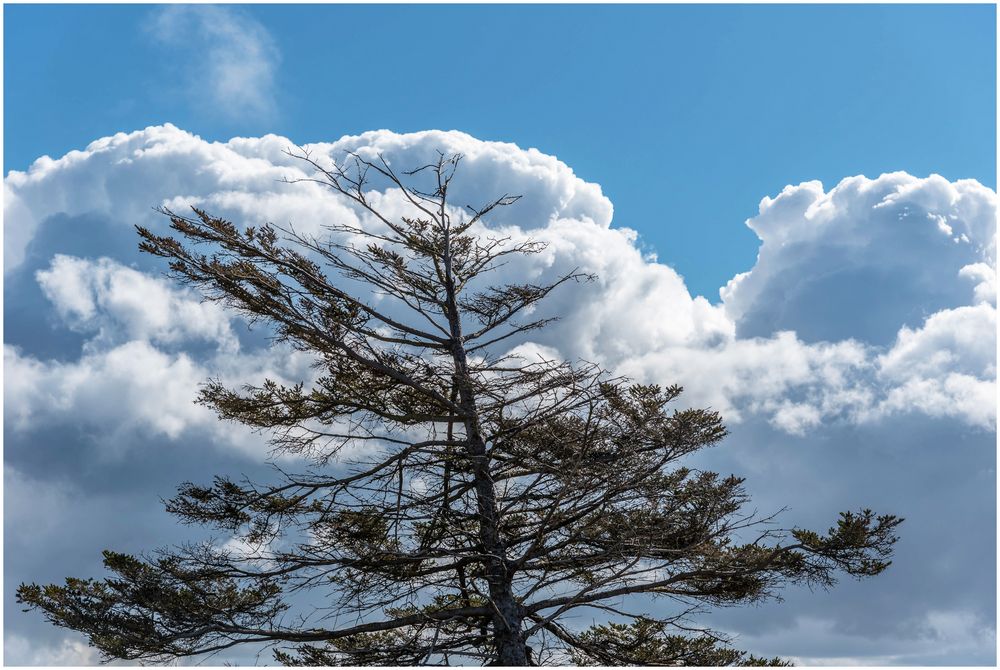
(960, 396)
(794, 384)
(230, 57)
(960, 340)
(71, 651)
(870, 304)
(865, 258)
(806, 336)
(116, 301)
(123, 177)
(986, 276)
(131, 386)
(127, 390)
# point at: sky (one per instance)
(791, 210)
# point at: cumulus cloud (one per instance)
(122, 177)
(865, 258)
(870, 314)
(230, 58)
(129, 386)
(872, 299)
(945, 368)
(985, 277)
(792, 383)
(137, 372)
(133, 389)
(118, 301)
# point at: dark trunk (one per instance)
(507, 633)
(508, 637)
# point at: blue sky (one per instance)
(658, 104)
(847, 334)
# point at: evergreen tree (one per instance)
(456, 503)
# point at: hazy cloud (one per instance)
(19, 650)
(230, 60)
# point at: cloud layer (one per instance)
(871, 307)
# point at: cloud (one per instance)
(947, 637)
(19, 650)
(35, 512)
(986, 276)
(117, 301)
(870, 300)
(865, 258)
(57, 521)
(945, 368)
(130, 386)
(123, 177)
(230, 58)
(139, 369)
(855, 359)
(121, 393)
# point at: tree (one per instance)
(456, 502)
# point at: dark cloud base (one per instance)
(941, 480)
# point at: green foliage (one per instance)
(646, 642)
(860, 544)
(143, 611)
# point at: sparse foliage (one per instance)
(457, 501)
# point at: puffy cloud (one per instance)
(140, 369)
(868, 319)
(865, 258)
(123, 177)
(130, 316)
(235, 58)
(129, 387)
(134, 389)
(986, 278)
(102, 295)
(859, 306)
(957, 340)
(851, 286)
(945, 368)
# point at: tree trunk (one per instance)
(508, 636)
(507, 617)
